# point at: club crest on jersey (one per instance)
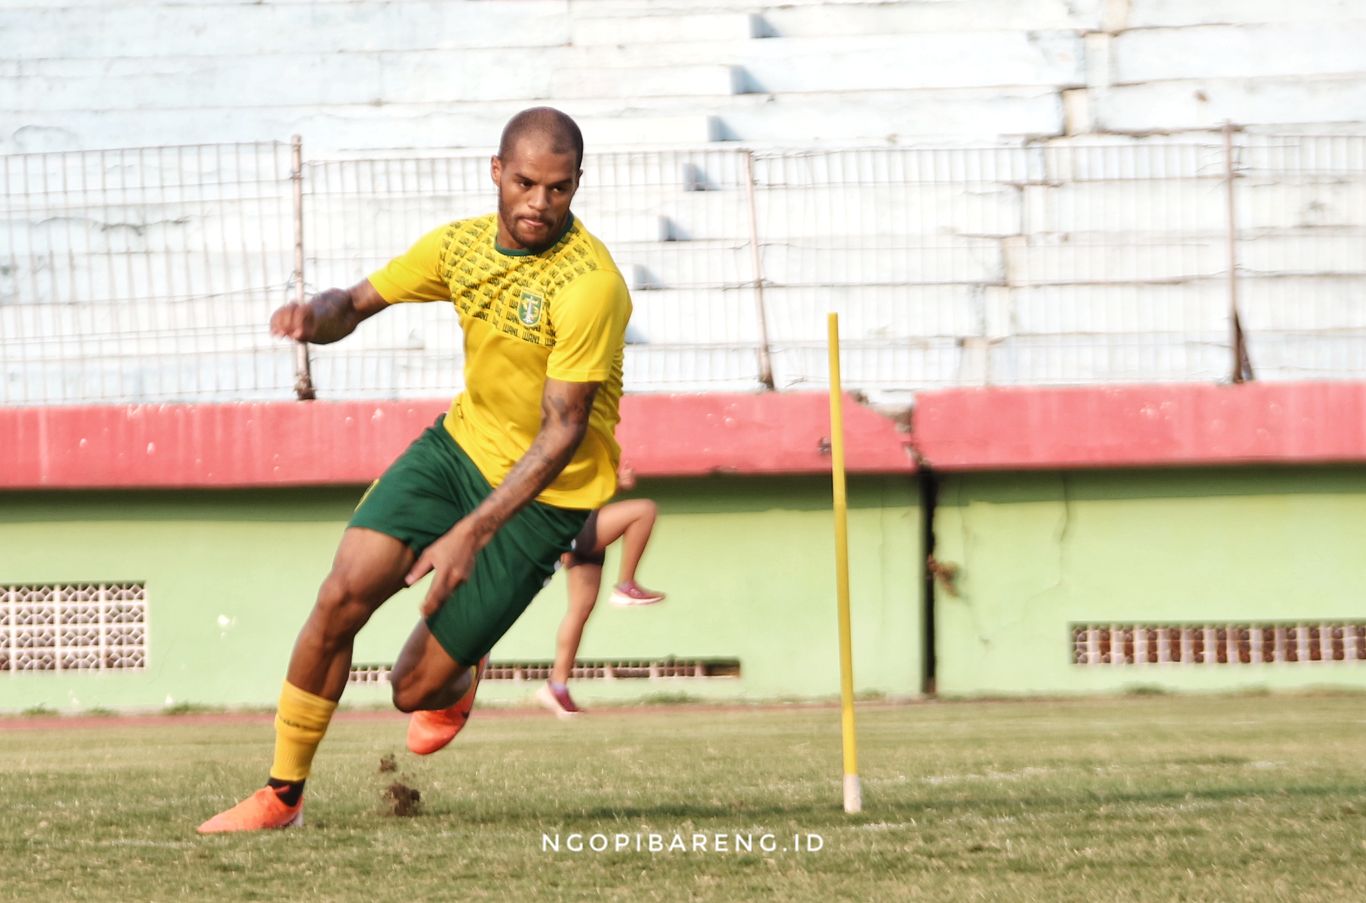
(529, 309)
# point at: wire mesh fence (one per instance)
(143, 274)
(148, 274)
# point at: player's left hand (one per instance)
(449, 560)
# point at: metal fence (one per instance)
(149, 274)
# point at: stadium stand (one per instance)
(989, 192)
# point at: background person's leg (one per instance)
(631, 521)
(584, 582)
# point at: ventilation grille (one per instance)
(630, 669)
(1119, 645)
(73, 627)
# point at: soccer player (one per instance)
(631, 521)
(488, 498)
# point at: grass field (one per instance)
(1153, 798)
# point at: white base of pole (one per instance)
(853, 795)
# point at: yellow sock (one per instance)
(300, 722)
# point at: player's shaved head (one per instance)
(547, 124)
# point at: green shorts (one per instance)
(423, 493)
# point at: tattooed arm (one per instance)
(565, 407)
(328, 316)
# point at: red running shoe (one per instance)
(632, 593)
(429, 731)
(557, 701)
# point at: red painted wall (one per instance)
(1142, 426)
(313, 443)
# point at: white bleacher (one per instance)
(1090, 245)
(349, 75)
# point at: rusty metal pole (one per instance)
(1242, 364)
(765, 360)
(303, 376)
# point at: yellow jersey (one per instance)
(561, 314)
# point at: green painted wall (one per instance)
(1037, 552)
(748, 565)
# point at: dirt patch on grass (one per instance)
(401, 800)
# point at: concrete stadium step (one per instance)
(712, 264)
(620, 176)
(921, 364)
(832, 211)
(1206, 104)
(1153, 257)
(278, 80)
(972, 167)
(953, 16)
(1195, 308)
(1239, 51)
(1303, 304)
(1186, 204)
(937, 260)
(227, 322)
(655, 27)
(873, 62)
(1086, 158)
(696, 80)
(678, 215)
(342, 373)
(339, 129)
(1181, 13)
(1296, 356)
(891, 118)
(696, 316)
(379, 221)
(1147, 258)
(798, 314)
(917, 210)
(1303, 253)
(91, 30)
(717, 368)
(1176, 205)
(1064, 360)
(202, 226)
(409, 331)
(180, 377)
(103, 277)
(915, 62)
(633, 8)
(881, 313)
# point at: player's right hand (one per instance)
(293, 321)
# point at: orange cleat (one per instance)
(429, 731)
(261, 811)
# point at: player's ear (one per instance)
(495, 169)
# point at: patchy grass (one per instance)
(1130, 798)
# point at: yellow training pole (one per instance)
(853, 795)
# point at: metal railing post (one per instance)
(1242, 364)
(765, 360)
(303, 376)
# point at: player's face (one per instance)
(535, 186)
